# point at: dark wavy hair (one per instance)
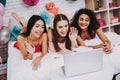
(93, 26)
(56, 36)
(31, 22)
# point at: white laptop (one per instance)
(78, 63)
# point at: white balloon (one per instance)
(4, 35)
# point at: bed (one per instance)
(50, 69)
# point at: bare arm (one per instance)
(44, 44)
(102, 36)
(22, 47)
(106, 42)
(20, 20)
(37, 61)
(80, 41)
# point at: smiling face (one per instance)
(38, 28)
(83, 21)
(62, 28)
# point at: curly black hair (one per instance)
(93, 26)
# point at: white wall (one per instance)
(23, 10)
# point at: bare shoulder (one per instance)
(21, 38)
(99, 31)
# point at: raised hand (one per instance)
(73, 34)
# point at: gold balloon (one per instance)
(4, 35)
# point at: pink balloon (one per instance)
(31, 2)
(2, 9)
(1, 22)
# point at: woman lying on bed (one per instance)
(61, 37)
(87, 25)
(33, 39)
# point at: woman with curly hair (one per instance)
(87, 25)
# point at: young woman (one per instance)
(61, 37)
(33, 40)
(87, 25)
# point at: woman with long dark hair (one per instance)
(33, 40)
(61, 36)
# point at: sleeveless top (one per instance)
(38, 47)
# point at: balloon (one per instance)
(3, 2)
(0, 61)
(1, 22)
(4, 35)
(1, 9)
(31, 2)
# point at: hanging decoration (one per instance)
(51, 7)
(14, 32)
(4, 35)
(30, 2)
(3, 2)
(46, 16)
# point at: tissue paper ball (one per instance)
(1, 9)
(30, 2)
(46, 16)
(1, 22)
(4, 35)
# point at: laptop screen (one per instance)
(77, 63)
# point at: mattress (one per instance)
(19, 69)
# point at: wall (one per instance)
(66, 6)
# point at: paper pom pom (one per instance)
(51, 7)
(1, 9)
(3, 2)
(14, 32)
(46, 16)
(30, 2)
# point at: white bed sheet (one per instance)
(19, 69)
(111, 66)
